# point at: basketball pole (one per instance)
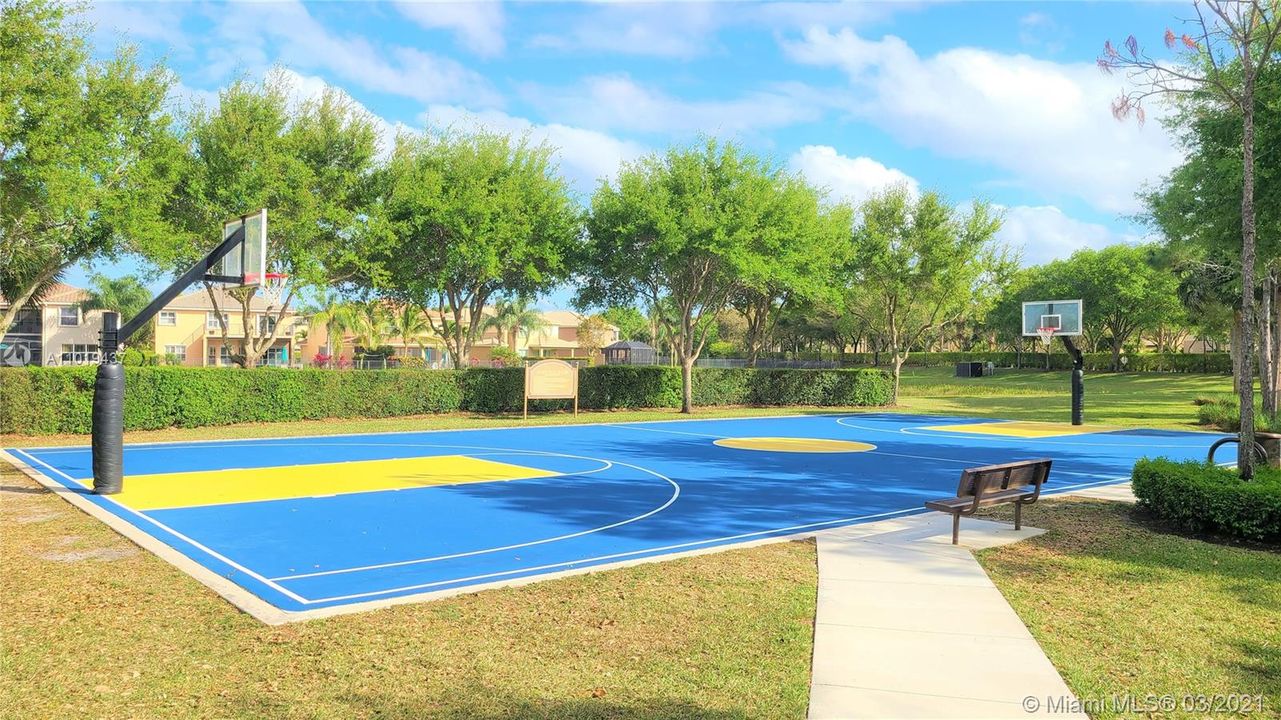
(109, 384)
(1078, 380)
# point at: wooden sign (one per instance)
(551, 379)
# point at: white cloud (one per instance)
(1045, 233)
(254, 36)
(478, 25)
(688, 29)
(1047, 123)
(616, 101)
(585, 155)
(851, 179)
(310, 87)
(1039, 30)
(133, 22)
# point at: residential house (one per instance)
(187, 331)
(53, 330)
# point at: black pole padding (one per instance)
(109, 412)
(108, 429)
(1078, 380)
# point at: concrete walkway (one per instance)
(910, 626)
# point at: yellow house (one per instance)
(187, 331)
(557, 338)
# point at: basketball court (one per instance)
(299, 527)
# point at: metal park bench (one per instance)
(1017, 482)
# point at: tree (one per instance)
(1233, 45)
(512, 317)
(682, 229)
(465, 218)
(593, 334)
(126, 295)
(631, 323)
(1124, 292)
(370, 326)
(800, 244)
(310, 166)
(409, 321)
(86, 154)
(333, 314)
(917, 263)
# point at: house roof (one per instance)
(629, 345)
(59, 294)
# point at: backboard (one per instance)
(1065, 316)
(248, 260)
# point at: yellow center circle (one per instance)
(796, 445)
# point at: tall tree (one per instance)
(593, 334)
(465, 218)
(1232, 43)
(310, 164)
(917, 263)
(125, 295)
(409, 322)
(682, 229)
(631, 323)
(86, 155)
(333, 314)
(800, 244)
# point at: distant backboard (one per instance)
(1063, 315)
(248, 260)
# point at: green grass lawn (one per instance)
(1160, 400)
(1122, 608)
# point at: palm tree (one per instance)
(335, 316)
(371, 325)
(410, 322)
(126, 295)
(515, 316)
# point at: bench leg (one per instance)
(956, 528)
(1018, 516)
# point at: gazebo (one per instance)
(629, 352)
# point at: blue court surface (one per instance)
(314, 523)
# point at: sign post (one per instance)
(551, 380)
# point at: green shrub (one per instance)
(1034, 358)
(1203, 498)
(611, 387)
(47, 400)
(1224, 413)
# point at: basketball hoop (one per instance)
(273, 288)
(1046, 334)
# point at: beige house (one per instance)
(557, 338)
(187, 331)
(53, 331)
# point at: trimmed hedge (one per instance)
(1035, 359)
(1203, 498)
(49, 400)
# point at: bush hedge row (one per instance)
(1203, 498)
(1035, 358)
(48, 400)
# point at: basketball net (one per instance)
(273, 288)
(1047, 335)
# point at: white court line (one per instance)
(944, 434)
(676, 491)
(616, 555)
(284, 591)
(671, 432)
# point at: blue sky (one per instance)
(999, 101)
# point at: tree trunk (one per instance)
(1265, 345)
(1234, 350)
(687, 385)
(1116, 355)
(1245, 448)
(897, 363)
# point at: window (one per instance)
(266, 324)
(168, 318)
(211, 321)
(275, 356)
(69, 316)
(179, 352)
(218, 356)
(79, 354)
(27, 322)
